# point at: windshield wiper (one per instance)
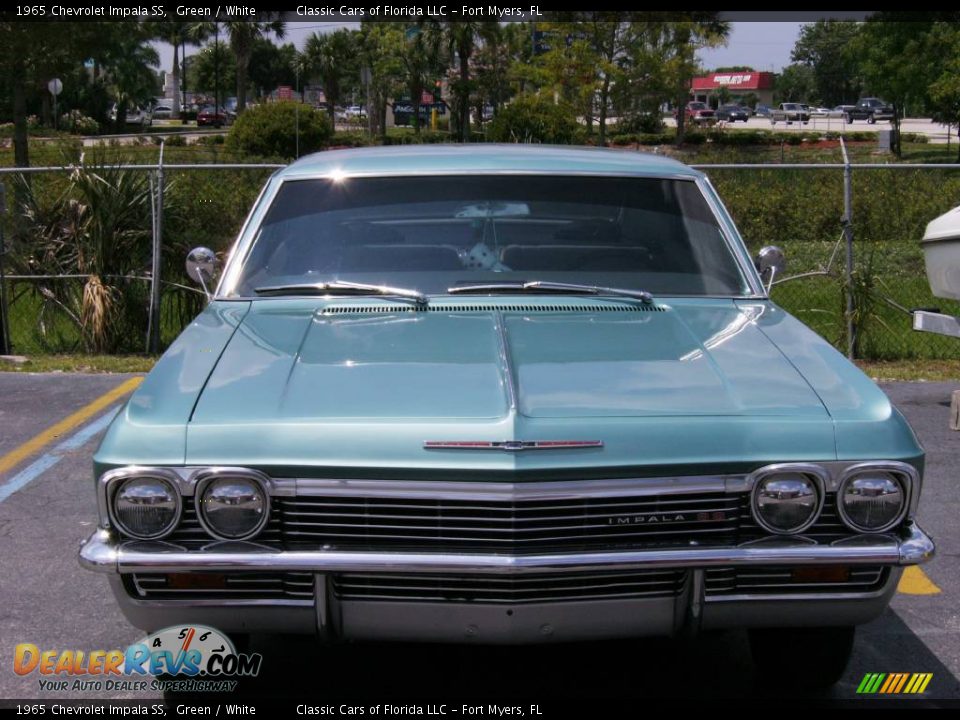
(553, 287)
(342, 287)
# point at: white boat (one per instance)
(941, 250)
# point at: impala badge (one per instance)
(512, 445)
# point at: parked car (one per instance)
(870, 109)
(700, 114)
(162, 111)
(383, 426)
(354, 112)
(136, 115)
(843, 111)
(732, 113)
(763, 111)
(825, 112)
(790, 113)
(210, 117)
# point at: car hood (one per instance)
(364, 383)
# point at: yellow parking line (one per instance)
(914, 581)
(38, 442)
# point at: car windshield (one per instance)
(436, 232)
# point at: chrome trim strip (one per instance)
(506, 365)
(802, 597)
(102, 552)
(511, 445)
(244, 241)
(733, 239)
(322, 600)
(507, 492)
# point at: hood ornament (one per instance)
(511, 445)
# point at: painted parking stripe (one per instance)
(46, 461)
(915, 581)
(52, 433)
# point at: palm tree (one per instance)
(242, 34)
(420, 56)
(331, 57)
(461, 41)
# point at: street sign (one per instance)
(55, 87)
(285, 92)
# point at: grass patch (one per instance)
(912, 370)
(83, 364)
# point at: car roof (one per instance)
(485, 158)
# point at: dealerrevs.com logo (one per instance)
(191, 658)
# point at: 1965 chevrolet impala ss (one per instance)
(510, 395)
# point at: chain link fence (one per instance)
(81, 241)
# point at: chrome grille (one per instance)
(552, 587)
(511, 526)
(827, 528)
(235, 586)
(782, 580)
(191, 534)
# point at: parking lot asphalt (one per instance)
(48, 600)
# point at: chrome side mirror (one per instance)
(770, 262)
(202, 268)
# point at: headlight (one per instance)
(872, 501)
(146, 507)
(786, 502)
(232, 508)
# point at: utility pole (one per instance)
(4, 325)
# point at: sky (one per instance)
(761, 45)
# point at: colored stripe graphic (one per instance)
(894, 683)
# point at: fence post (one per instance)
(153, 342)
(5, 344)
(848, 236)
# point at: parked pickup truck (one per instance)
(790, 113)
(870, 109)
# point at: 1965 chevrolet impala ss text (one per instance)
(505, 394)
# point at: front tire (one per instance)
(872, 120)
(802, 657)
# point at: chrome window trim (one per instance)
(820, 476)
(204, 478)
(246, 238)
(903, 477)
(116, 482)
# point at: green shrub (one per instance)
(211, 140)
(270, 130)
(535, 119)
(175, 141)
(78, 123)
(639, 124)
(351, 139)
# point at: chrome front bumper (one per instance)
(102, 552)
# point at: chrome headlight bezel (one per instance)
(163, 478)
(814, 473)
(204, 480)
(903, 480)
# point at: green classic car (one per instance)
(505, 394)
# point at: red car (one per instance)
(208, 116)
(699, 113)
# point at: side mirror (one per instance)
(770, 262)
(202, 268)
